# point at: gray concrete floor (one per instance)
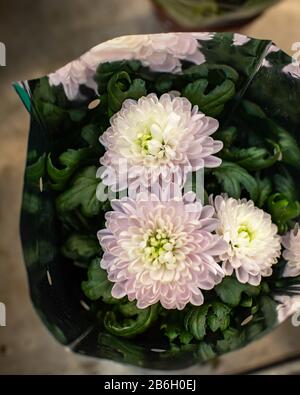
(40, 37)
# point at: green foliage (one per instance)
(233, 178)
(283, 210)
(133, 321)
(213, 102)
(97, 285)
(264, 186)
(215, 316)
(69, 162)
(106, 70)
(253, 158)
(232, 339)
(173, 327)
(81, 194)
(219, 316)
(230, 291)
(80, 247)
(35, 171)
(52, 105)
(121, 87)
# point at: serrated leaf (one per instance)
(283, 211)
(195, 321)
(106, 70)
(69, 161)
(234, 178)
(173, 328)
(97, 285)
(287, 143)
(213, 102)
(218, 316)
(81, 194)
(253, 158)
(81, 247)
(121, 87)
(230, 291)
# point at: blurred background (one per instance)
(41, 36)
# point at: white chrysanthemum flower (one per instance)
(291, 243)
(153, 140)
(253, 243)
(161, 250)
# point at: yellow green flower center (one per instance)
(245, 235)
(143, 140)
(159, 248)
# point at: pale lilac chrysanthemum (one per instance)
(253, 243)
(156, 139)
(160, 52)
(291, 243)
(161, 250)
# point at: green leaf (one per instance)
(218, 316)
(35, 171)
(234, 178)
(196, 72)
(82, 194)
(283, 211)
(233, 339)
(285, 185)
(253, 158)
(288, 145)
(90, 133)
(163, 84)
(52, 105)
(230, 291)
(246, 301)
(195, 321)
(106, 70)
(134, 321)
(213, 102)
(205, 352)
(121, 87)
(70, 160)
(264, 190)
(173, 327)
(268, 307)
(228, 136)
(81, 247)
(97, 285)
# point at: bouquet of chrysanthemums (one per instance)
(161, 198)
